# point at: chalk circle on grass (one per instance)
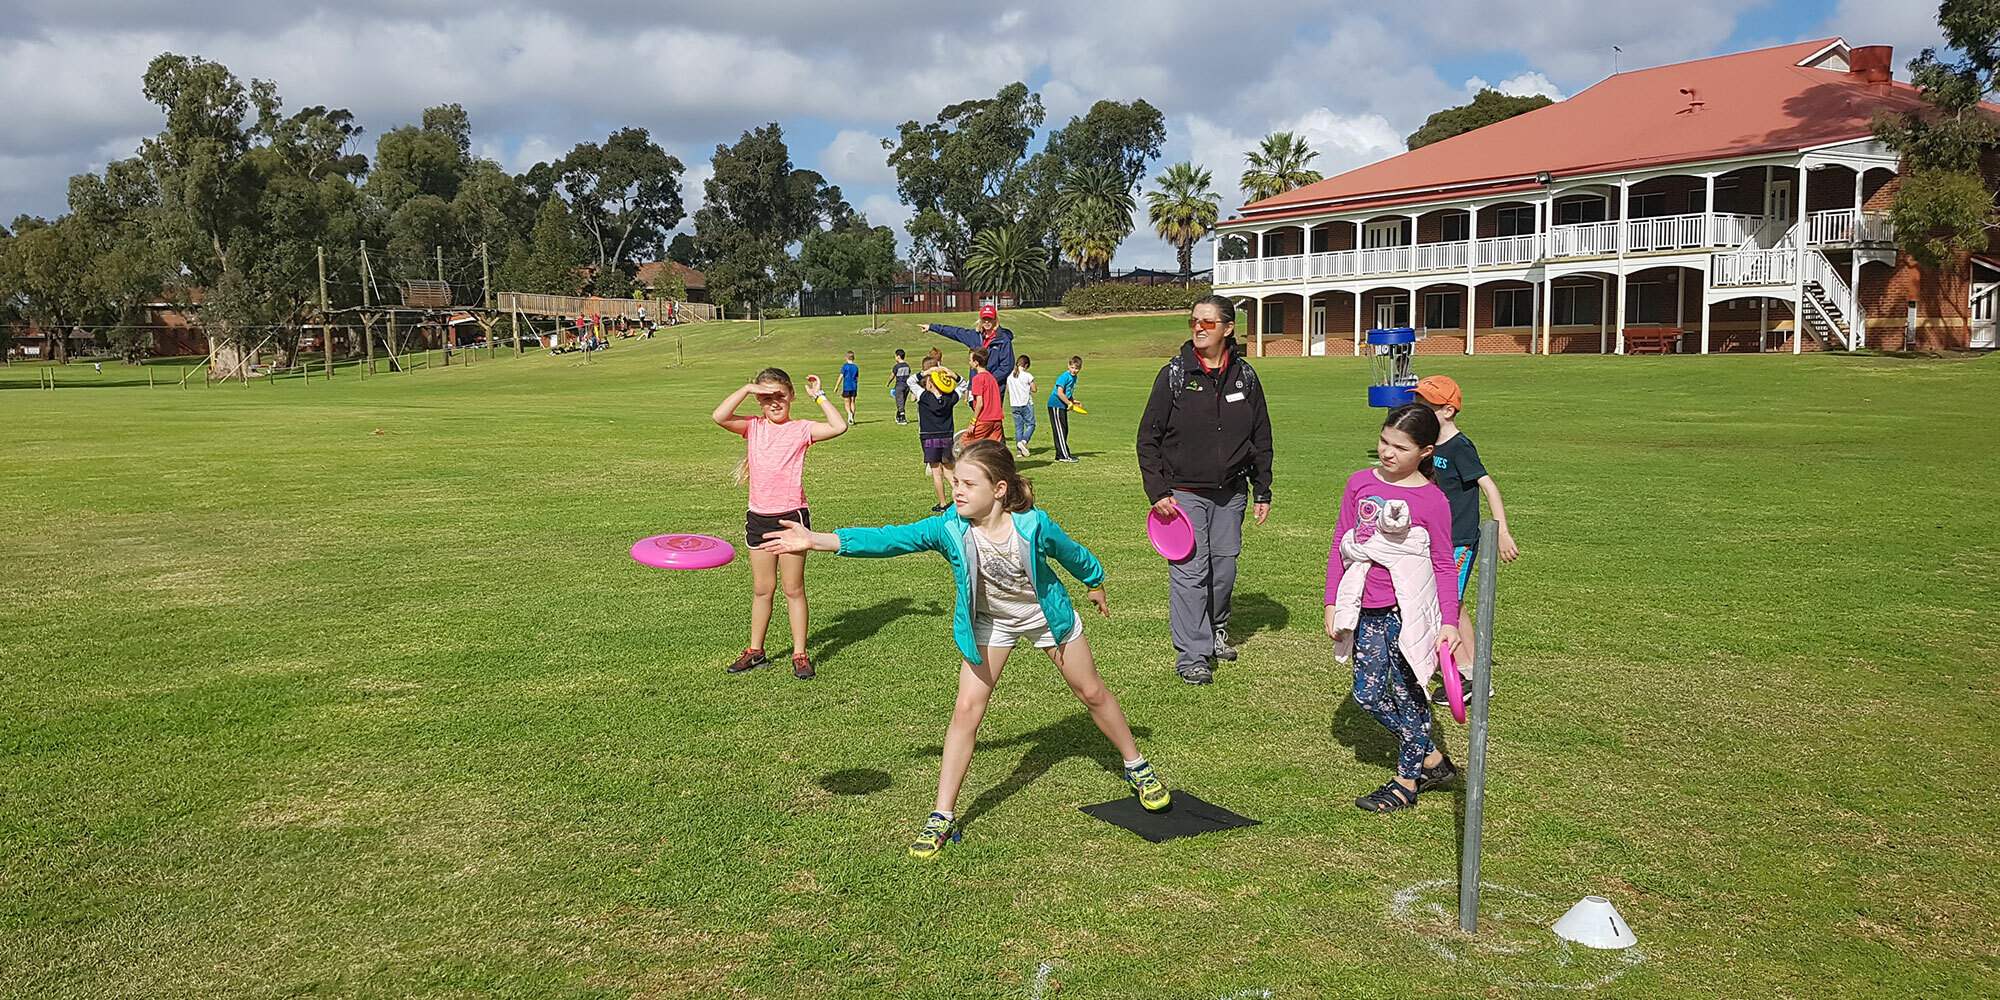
(1454, 685)
(1172, 537)
(676, 551)
(1515, 946)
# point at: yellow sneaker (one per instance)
(931, 839)
(1147, 785)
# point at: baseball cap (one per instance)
(988, 311)
(1440, 390)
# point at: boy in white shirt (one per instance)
(1021, 398)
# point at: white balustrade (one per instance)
(1589, 239)
(1665, 232)
(1833, 226)
(1523, 249)
(1876, 228)
(1385, 260)
(1441, 256)
(1753, 267)
(1733, 230)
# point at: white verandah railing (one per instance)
(1753, 267)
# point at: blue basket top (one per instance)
(1391, 396)
(1395, 335)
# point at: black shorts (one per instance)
(937, 450)
(844, 394)
(756, 526)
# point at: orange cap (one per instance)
(1440, 390)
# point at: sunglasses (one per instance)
(1204, 324)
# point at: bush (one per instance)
(1112, 296)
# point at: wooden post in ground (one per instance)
(367, 320)
(325, 318)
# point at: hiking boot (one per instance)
(802, 667)
(1223, 650)
(936, 833)
(1152, 793)
(1197, 674)
(750, 660)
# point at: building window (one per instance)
(1322, 239)
(1578, 211)
(1274, 319)
(1516, 220)
(1442, 311)
(1452, 228)
(1647, 303)
(1382, 234)
(1576, 305)
(1646, 206)
(1514, 307)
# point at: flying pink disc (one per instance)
(682, 551)
(1172, 538)
(1454, 685)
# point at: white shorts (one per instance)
(987, 632)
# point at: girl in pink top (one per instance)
(775, 466)
(1384, 684)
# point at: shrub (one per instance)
(1111, 296)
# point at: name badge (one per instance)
(1234, 397)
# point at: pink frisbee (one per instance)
(1172, 538)
(682, 551)
(1454, 685)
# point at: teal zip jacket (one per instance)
(945, 535)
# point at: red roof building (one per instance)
(1732, 203)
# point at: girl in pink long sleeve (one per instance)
(1384, 684)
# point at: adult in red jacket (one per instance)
(1205, 454)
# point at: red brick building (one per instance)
(1726, 204)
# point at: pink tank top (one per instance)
(778, 464)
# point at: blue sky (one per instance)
(1354, 77)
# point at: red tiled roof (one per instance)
(1750, 102)
(648, 273)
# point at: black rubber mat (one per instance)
(1187, 817)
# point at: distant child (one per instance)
(1394, 623)
(775, 468)
(985, 404)
(1060, 403)
(1021, 399)
(937, 392)
(996, 540)
(1458, 472)
(850, 384)
(899, 386)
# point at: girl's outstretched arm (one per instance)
(835, 424)
(725, 415)
(798, 538)
(874, 543)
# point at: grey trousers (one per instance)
(1199, 587)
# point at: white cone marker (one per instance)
(1594, 923)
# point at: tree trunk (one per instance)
(228, 359)
(1186, 252)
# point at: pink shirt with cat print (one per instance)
(1360, 504)
(778, 464)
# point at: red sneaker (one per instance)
(750, 660)
(802, 667)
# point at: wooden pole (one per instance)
(486, 293)
(325, 318)
(367, 321)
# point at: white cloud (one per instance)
(518, 156)
(1528, 84)
(856, 156)
(1909, 26)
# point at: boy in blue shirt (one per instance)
(1061, 401)
(850, 384)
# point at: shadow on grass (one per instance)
(1074, 736)
(855, 781)
(1250, 614)
(857, 624)
(1358, 731)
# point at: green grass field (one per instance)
(348, 688)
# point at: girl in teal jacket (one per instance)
(996, 541)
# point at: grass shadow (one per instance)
(1074, 736)
(857, 624)
(1250, 614)
(1358, 731)
(855, 781)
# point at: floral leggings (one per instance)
(1385, 688)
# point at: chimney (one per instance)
(1870, 63)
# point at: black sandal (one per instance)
(1388, 798)
(1431, 779)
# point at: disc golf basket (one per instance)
(1392, 383)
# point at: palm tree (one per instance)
(1278, 165)
(1183, 210)
(1005, 259)
(1094, 207)
(1089, 233)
